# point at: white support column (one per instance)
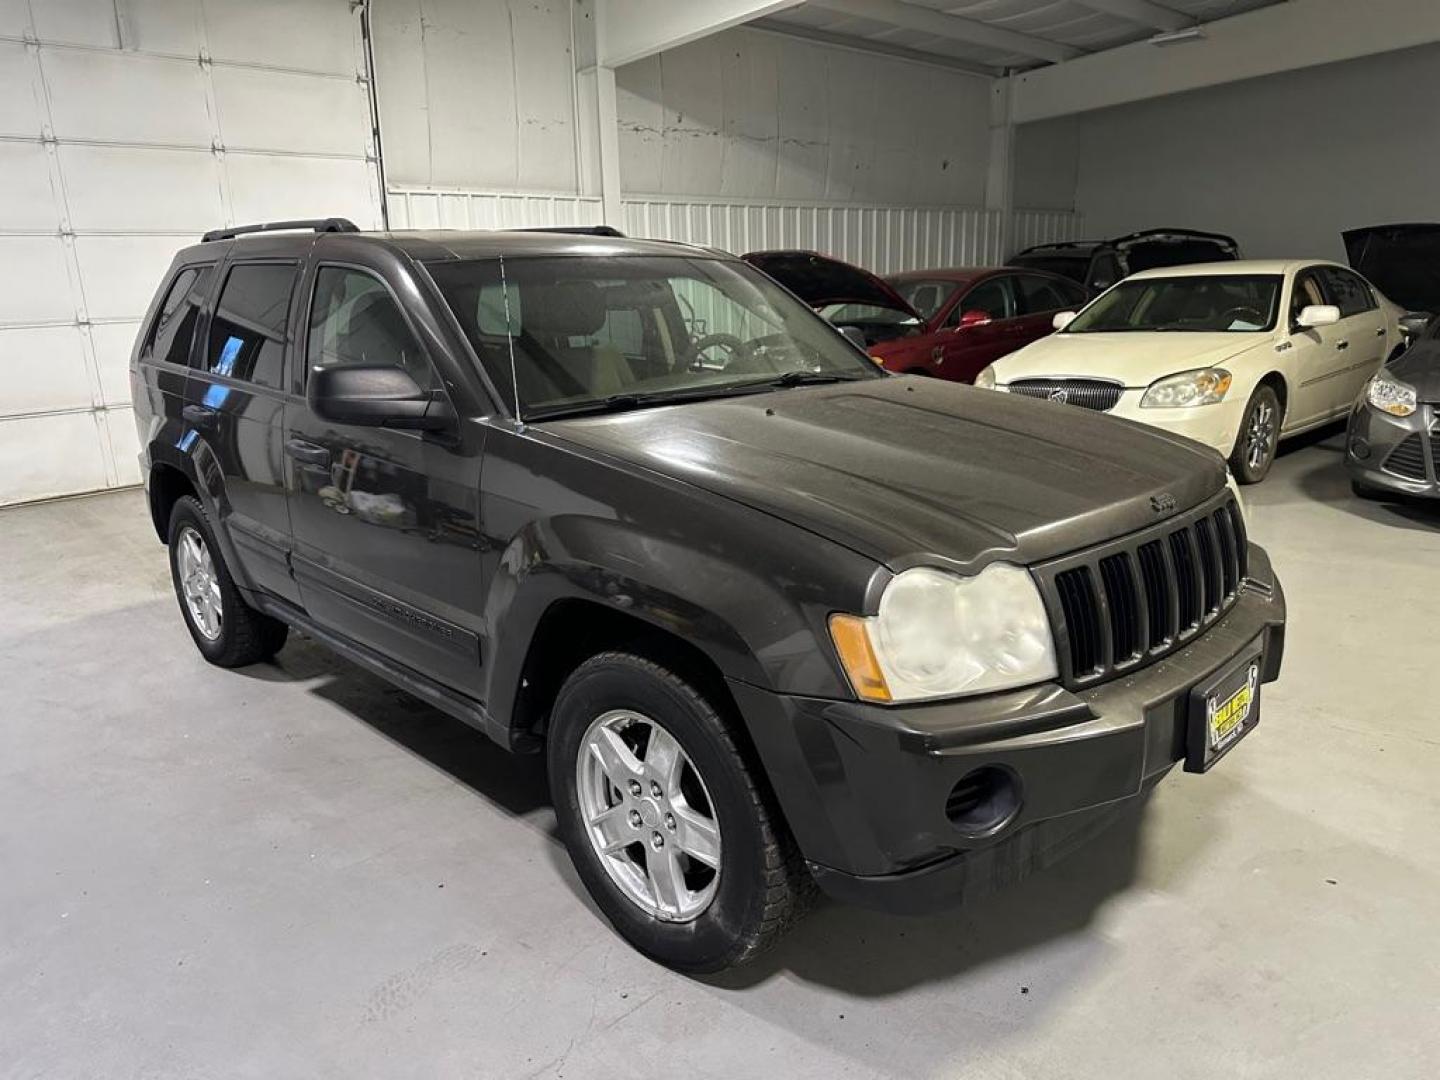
(597, 130)
(1000, 175)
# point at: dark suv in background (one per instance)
(1098, 264)
(775, 616)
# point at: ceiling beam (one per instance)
(629, 30)
(1142, 12)
(954, 27)
(867, 45)
(1282, 37)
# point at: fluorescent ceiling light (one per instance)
(1176, 37)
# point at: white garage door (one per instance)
(127, 128)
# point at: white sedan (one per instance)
(1235, 355)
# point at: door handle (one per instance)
(198, 415)
(1342, 345)
(307, 452)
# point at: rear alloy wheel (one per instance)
(226, 630)
(1259, 437)
(669, 829)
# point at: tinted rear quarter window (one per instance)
(247, 333)
(173, 330)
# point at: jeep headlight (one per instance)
(1204, 386)
(939, 634)
(986, 379)
(1390, 395)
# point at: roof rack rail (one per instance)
(578, 230)
(319, 225)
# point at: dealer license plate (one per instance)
(1222, 712)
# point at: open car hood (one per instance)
(820, 280)
(1402, 261)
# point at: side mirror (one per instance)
(375, 396)
(974, 318)
(1313, 315)
(855, 336)
(1414, 323)
(1063, 319)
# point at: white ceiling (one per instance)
(1086, 26)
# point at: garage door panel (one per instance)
(43, 456)
(42, 369)
(282, 33)
(163, 26)
(113, 343)
(121, 273)
(14, 18)
(124, 444)
(78, 22)
(35, 287)
(26, 200)
(269, 110)
(122, 97)
(116, 188)
(266, 188)
(19, 111)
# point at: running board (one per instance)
(422, 686)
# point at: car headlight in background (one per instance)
(1204, 386)
(986, 379)
(1390, 395)
(941, 635)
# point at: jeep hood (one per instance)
(909, 470)
(1136, 359)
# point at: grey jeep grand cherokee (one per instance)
(774, 616)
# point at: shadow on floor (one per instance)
(1328, 481)
(514, 782)
(865, 953)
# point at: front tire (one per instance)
(666, 823)
(227, 631)
(1259, 436)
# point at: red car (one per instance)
(947, 323)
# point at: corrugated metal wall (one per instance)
(881, 238)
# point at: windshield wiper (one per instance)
(626, 402)
(801, 377)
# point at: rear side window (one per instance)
(173, 330)
(247, 333)
(355, 320)
(1038, 295)
(1347, 291)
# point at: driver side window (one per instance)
(354, 320)
(995, 297)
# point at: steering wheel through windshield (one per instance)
(733, 348)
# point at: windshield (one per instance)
(1211, 304)
(596, 333)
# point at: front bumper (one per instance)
(864, 788)
(1372, 437)
(1216, 426)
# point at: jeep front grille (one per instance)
(1093, 394)
(1129, 602)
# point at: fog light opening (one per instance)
(984, 800)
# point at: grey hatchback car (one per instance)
(1392, 444)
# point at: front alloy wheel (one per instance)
(648, 816)
(667, 821)
(1259, 437)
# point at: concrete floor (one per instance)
(295, 870)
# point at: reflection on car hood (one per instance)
(1420, 367)
(1135, 359)
(909, 469)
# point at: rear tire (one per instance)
(227, 631)
(1259, 436)
(630, 818)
